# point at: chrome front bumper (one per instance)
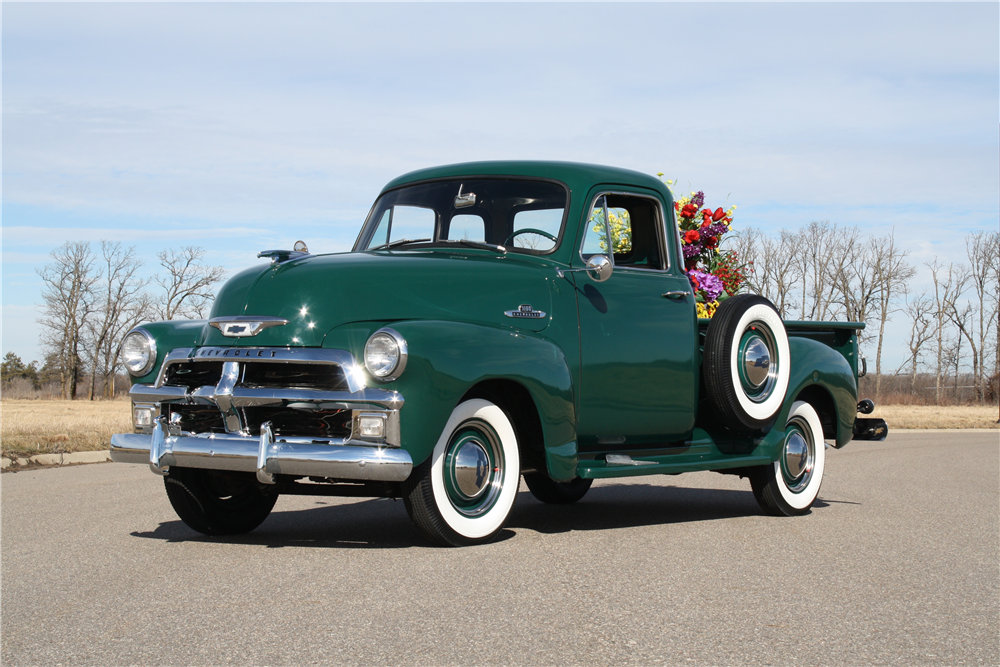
(360, 455)
(265, 456)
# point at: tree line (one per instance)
(822, 271)
(91, 298)
(827, 272)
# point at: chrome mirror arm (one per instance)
(599, 268)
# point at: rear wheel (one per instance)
(463, 494)
(214, 504)
(556, 493)
(790, 485)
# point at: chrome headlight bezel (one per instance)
(386, 373)
(150, 352)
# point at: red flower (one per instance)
(688, 211)
(677, 206)
(718, 215)
(694, 282)
(691, 236)
(711, 242)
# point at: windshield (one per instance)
(519, 215)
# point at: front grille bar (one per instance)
(230, 398)
(353, 375)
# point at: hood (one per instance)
(319, 293)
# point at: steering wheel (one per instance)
(529, 230)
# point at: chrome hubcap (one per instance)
(798, 456)
(472, 469)
(756, 361)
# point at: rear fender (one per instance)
(817, 370)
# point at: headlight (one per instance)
(138, 352)
(385, 354)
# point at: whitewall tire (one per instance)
(790, 485)
(464, 492)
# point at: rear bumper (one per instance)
(870, 429)
(265, 456)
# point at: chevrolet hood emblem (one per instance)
(243, 326)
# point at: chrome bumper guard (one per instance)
(356, 457)
(264, 455)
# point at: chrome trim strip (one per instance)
(339, 460)
(271, 355)
(246, 397)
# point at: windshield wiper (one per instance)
(400, 242)
(479, 244)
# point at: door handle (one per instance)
(676, 295)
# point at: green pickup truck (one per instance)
(480, 331)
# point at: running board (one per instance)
(623, 465)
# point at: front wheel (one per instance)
(464, 492)
(214, 504)
(790, 485)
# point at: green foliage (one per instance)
(13, 368)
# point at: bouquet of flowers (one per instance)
(715, 274)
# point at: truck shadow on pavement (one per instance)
(383, 524)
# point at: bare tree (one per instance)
(818, 247)
(68, 296)
(983, 251)
(186, 283)
(948, 288)
(121, 304)
(921, 312)
(890, 273)
(767, 272)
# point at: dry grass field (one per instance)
(938, 416)
(50, 427)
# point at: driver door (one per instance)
(639, 363)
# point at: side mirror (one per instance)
(599, 268)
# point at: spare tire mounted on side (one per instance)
(746, 362)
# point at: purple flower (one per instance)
(710, 285)
(698, 200)
(691, 251)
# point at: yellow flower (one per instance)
(707, 310)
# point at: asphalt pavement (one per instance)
(897, 564)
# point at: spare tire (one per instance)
(746, 362)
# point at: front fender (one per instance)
(445, 359)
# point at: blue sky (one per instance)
(240, 127)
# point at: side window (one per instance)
(411, 222)
(468, 227)
(381, 235)
(537, 229)
(635, 237)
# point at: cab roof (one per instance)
(578, 176)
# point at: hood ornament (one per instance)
(244, 326)
(278, 256)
